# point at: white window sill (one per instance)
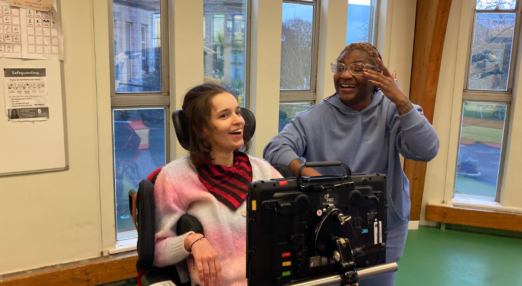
(475, 204)
(124, 246)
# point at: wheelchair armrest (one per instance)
(284, 171)
(133, 195)
(188, 223)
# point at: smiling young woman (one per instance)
(225, 129)
(210, 184)
(366, 124)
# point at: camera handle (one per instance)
(323, 164)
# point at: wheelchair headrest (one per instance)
(180, 125)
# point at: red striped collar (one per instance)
(228, 184)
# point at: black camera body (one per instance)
(301, 229)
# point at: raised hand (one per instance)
(390, 88)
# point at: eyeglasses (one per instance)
(355, 68)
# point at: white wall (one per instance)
(395, 36)
(440, 175)
(265, 70)
(54, 218)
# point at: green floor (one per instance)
(434, 257)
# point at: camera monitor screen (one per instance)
(293, 224)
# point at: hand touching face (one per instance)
(389, 87)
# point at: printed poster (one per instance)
(30, 34)
(25, 91)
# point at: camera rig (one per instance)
(317, 230)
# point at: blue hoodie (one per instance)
(368, 142)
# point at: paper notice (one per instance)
(42, 5)
(26, 94)
(10, 31)
(29, 33)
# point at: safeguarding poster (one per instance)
(26, 94)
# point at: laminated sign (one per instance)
(25, 91)
(42, 5)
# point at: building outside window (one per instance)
(136, 54)
(225, 42)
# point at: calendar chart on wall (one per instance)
(30, 34)
(10, 31)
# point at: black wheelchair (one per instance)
(142, 208)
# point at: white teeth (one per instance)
(347, 85)
(237, 131)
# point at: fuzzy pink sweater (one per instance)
(178, 191)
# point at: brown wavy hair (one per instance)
(197, 107)
(368, 48)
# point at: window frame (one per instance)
(469, 95)
(141, 100)
(144, 44)
(471, 92)
(374, 21)
(293, 96)
(374, 17)
(503, 151)
(149, 99)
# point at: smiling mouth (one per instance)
(347, 85)
(237, 132)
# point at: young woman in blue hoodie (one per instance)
(366, 124)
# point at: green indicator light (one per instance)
(286, 273)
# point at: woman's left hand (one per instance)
(389, 87)
(385, 82)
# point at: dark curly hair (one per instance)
(197, 106)
(368, 48)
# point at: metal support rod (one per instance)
(365, 273)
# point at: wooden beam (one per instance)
(101, 271)
(430, 31)
(487, 219)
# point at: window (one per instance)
(486, 100)
(361, 21)
(298, 58)
(144, 51)
(287, 112)
(225, 42)
(139, 99)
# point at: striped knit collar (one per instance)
(228, 184)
